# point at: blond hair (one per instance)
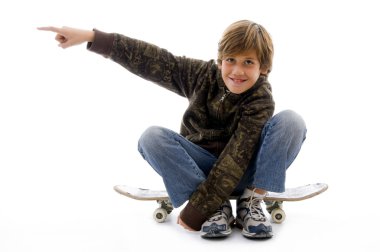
(243, 36)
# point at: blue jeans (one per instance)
(183, 165)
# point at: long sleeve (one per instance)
(178, 74)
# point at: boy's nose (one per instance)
(238, 70)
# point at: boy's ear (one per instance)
(264, 70)
(219, 63)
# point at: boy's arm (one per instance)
(233, 161)
(178, 74)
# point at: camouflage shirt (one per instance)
(226, 124)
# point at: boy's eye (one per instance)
(249, 62)
(230, 60)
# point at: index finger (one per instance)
(49, 28)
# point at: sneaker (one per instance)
(219, 224)
(250, 216)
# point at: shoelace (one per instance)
(218, 214)
(254, 207)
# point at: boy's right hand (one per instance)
(67, 36)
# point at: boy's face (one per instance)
(240, 72)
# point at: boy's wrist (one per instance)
(102, 43)
(90, 36)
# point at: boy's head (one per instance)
(246, 36)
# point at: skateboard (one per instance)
(273, 200)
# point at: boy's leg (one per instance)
(180, 163)
(281, 140)
(280, 143)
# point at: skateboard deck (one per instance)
(290, 194)
(273, 200)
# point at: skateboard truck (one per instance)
(275, 210)
(162, 212)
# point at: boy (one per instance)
(229, 143)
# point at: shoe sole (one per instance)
(258, 236)
(216, 233)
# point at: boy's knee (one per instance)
(151, 136)
(291, 121)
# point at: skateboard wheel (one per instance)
(160, 215)
(278, 215)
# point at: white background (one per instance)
(70, 121)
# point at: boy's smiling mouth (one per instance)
(237, 81)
